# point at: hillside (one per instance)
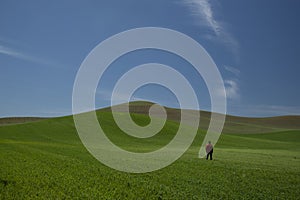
(233, 124)
(18, 120)
(46, 160)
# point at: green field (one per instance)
(254, 159)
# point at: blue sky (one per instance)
(255, 45)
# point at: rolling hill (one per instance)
(233, 124)
(45, 159)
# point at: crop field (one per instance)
(45, 159)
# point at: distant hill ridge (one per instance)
(19, 120)
(233, 124)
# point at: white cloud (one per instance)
(232, 89)
(23, 56)
(231, 85)
(233, 70)
(203, 11)
(14, 53)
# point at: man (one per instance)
(209, 150)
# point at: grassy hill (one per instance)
(46, 160)
(233, 124)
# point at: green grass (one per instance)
(46, 160)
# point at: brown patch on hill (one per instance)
(18, 120)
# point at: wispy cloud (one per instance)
(231, 85)
(203, 10)
(232, 89)
(19, 55)
(233, 70)
(16, 54)
(205, 16)
(263, 110)
(106, 95)
(5, 50)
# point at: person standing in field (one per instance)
(209, 150)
